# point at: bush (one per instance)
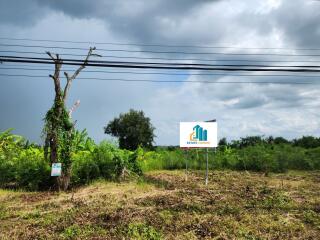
(7, 170)
(84, 169)
(313, 156)
(31, 170)
(112, 160)
(106, 161)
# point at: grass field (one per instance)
(163, 205)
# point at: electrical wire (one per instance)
(157, 45)
(169, 66)
(169, 81)
(166, 59)
(166, 64)
(163, 52)
(164, 73)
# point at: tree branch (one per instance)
(56, 77)
(76, 73)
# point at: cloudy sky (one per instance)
(248, 26)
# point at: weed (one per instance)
(3, 212)
(277, 200)
(229, 210)
(142, 231)
(166, 216)
(312, 218)
(78, 232)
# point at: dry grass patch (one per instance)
(163, 205)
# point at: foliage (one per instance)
(142, 231)
(22, 164)
(32, 171)
(133, 130)
(59, 134)
(84, 168)
(262, 157)
(82, 142)
(312, 218)
(105, 161)
(307, 142)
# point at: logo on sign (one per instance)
(199, 135)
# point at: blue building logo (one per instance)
(199, 134)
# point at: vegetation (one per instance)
(163, 205)
(267, 199)
(133, 130)
(22, 164)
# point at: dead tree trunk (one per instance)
(57, 128)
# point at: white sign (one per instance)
(198, 134)
(56, 170)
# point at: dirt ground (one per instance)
(166, 205)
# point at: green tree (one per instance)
(307, 142)
(132, 129)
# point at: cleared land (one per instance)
(163, 205)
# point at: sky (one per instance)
(248, 26)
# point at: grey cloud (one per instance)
(21, 13)
(250, 102)
(299, 21)
(168, 22)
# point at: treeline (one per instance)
(22, 165)
(304, 142)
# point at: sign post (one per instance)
(207, 167)
(199, 135)
(186, 158)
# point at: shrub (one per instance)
(112, 160)
(105, 161)
(84, 169)
(313, 156)
(7, 170)
(31, 170)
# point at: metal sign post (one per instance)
(207, 167)
(199, 135)
(186, 159)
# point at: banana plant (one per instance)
(81, 141)
(9, 141)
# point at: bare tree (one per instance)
(59, 128)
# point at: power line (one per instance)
(157, 45)
(168, 81)
(182, 67)
(166, 59)
(163, 52)
(166, 64)
(169, 66)
(41, 53)
(165, 73)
